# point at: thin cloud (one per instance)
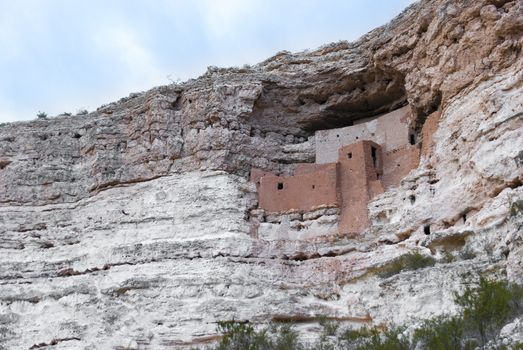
(222, 19)
(124, 46)
(59, 55)
(8, 114)
(18, 24)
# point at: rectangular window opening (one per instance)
(349, 155)
(373, 154)
(280, 185)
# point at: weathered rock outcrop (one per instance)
(131, 226)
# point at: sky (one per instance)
(67, 55)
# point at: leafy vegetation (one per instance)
(489, 306)
(442, 332)
(241, 336)
(407, 262)
(329, 327)
(41, 115)
(372, 338)
(467, 254)
(485, 308)
(516, 208)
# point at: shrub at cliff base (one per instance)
(485, 308)
(238, 336)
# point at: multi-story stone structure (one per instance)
(353, 165)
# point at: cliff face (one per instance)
(132, 226)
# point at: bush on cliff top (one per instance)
(41, 115)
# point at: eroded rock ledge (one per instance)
(131, 226)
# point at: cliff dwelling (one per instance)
(353, 165)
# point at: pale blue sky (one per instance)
(65, 55)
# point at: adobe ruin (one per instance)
(353, 165)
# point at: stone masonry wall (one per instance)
(300, 192)
(390, 130)
(365, 169)
(429, 127)
(397, 164)
(357, 169)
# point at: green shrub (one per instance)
(489, 306)
(440, 333)
(485, 308)
(372, 338)
(357, 336)
(41, 115)
(516, 208)
(286, 338)
(515, 346)
(388, 340)
(410, 261)
(241, 336)
(448, 257)
(467, 254)
(329, 327)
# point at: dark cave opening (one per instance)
(423, 112)
(325, 102)
(365, 97)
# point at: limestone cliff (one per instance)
(132, 226)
